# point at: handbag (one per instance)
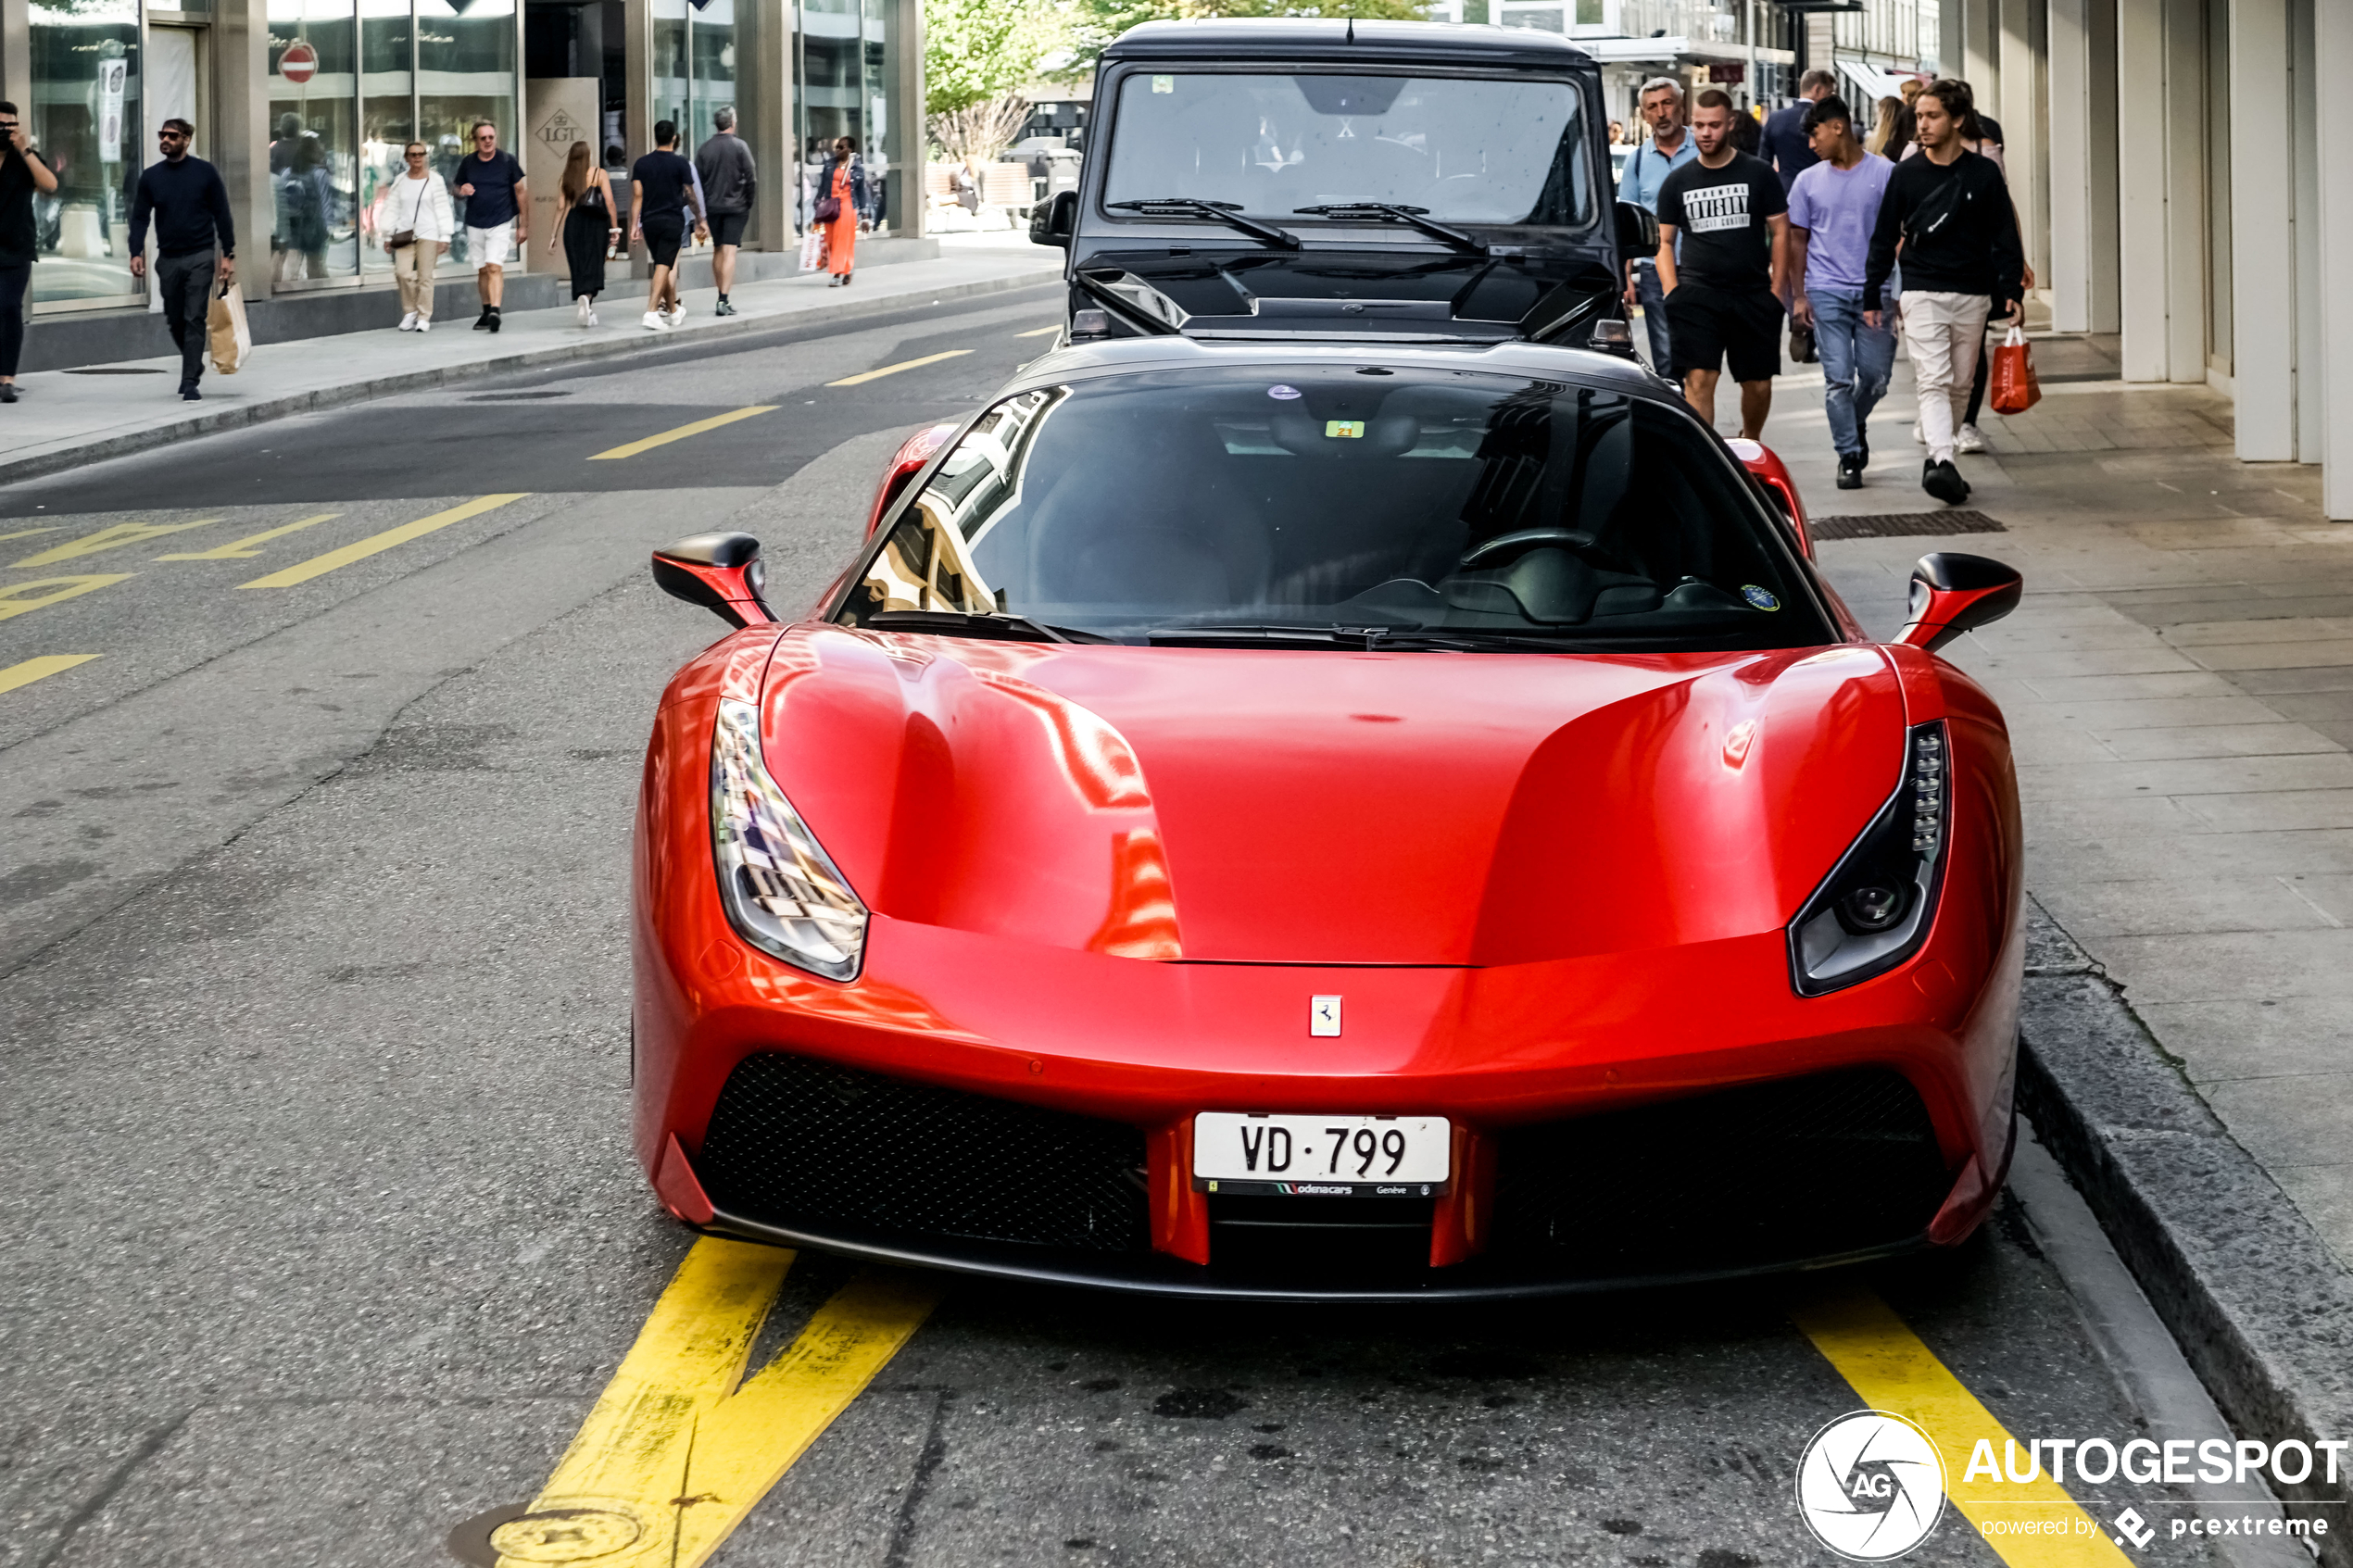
(2013, 388)
(226, 332)
(402, 239)
(828, 210)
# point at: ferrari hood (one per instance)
(1310, 807)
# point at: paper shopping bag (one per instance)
(2014, 388)
(813, 250)
(225, 330)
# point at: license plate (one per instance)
(1322, 1155)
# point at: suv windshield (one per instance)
(1293, 503)
(1467, 150)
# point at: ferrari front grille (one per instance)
(805, 1145)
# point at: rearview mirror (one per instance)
(1637, 231)
(1953, 594)
(719, 572)
(1055, 219)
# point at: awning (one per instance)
(1874, 82)
(1627, 51)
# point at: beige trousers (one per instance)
(1943, 333)
(412, 266)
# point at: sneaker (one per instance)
(1944, 482)
(580, 309)
(1850, 470)
(592, 319)
(656, 321)
(7, 392)
(725, 309)
(1918, 439)
(409, 323)
(425, 323)
(495, 319)
(1968, 438)
(189, 394)
(482, 322)
(678, 314)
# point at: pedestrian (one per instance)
(1748, 132)
(849, 197)
(588, 227)
(498, 217)
(1893, 132)
(1788, 144)
(1617, 132)
(661, 184)
(1949, 210)
(195, 238)
(1833, 210)
(1726, 283)
(1981, 135)
(419, 224)
(1670, 146)
(729, 178)
(22, 171)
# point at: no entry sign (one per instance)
(299, 63)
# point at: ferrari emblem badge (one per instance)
(1323, 1015)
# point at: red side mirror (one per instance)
(1953, 594)
(907, 462)
(1759, 461)
(719, 572)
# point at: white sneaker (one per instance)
(1918, 439)
(580, 309)
(592, 319)
(425, 323)
(656, 321)
(409, 323)
(1968, 438)
(678, 314)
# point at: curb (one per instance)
(33, 465)
(2263, 1310)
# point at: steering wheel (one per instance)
(1576, 541)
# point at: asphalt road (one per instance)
(319, 1229)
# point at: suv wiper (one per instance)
(1227, 213)
(957, 623)
(1413, 217)
(1238, 634)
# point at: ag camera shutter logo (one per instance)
(1870, 1485)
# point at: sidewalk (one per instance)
(68, 417)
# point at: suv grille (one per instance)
(805, 1145)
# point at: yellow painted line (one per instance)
(667, 436)
(112, 537)
(675, 1454)
(1886, 1364)
(28, 532)
(375, 544)
(865, 376)
(1039, 331)
(249, 546)
(33, 670)
(23, 598)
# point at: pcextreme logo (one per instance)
(1870, 1485)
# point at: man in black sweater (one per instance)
(1948, 213)
(191, 210)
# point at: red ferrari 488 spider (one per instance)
(1319, 820)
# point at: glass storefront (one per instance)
(84, 119)
(843, 66)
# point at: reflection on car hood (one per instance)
(1330, 808)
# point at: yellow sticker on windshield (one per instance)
(1344, 430)
(1164, 84)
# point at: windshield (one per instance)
(1188, 506)
(1469, 150)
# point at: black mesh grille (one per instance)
(1773, 1173)
(804, 1145)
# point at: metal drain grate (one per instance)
(512, 396)
(118, 370)
(1902, 525)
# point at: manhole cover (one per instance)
(584, 1530)
(1902, 525)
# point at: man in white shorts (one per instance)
(497, 209)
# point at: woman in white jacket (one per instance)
(417, 224)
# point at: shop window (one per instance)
(84, 119)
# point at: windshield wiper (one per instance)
(957, 623)
(1227, 213)
(1240, 635)
(1414, 217)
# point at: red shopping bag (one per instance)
(2014, 387)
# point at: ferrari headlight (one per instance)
(782, 893)
(1873, 911)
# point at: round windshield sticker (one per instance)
(1284, 393)
(1761, 597)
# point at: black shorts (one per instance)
(728, 228)
(664, 233)
(1709, 326)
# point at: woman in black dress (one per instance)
(587, 227)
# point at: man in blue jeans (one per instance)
(1833, 209)
(1647, 167)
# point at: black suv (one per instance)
(1346, 179)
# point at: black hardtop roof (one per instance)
(1313, 41)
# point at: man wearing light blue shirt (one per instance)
(1647, 167)
(1833, 207)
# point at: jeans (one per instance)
(1857, 362)
(1944, 333)
(185, 285)
(15, 276)
(1653, 300)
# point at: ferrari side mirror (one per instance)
(719, 572)
(1637, 231)
(1055, 219)
(1953, 594)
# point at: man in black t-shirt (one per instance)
(1726, 282)
(22, 173)
(661, 186)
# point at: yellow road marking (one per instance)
(667, 436)
(319, 566)
(112, 537)
(23, 598)
(675, 1455)
(1886, 1364)
(1040, 331)
(246, 548)
(28, 532)
(33, 670)
(865, 376)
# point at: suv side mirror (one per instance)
(1637, 231)
(1055, 219)
(1953, 594)
(719, 572)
